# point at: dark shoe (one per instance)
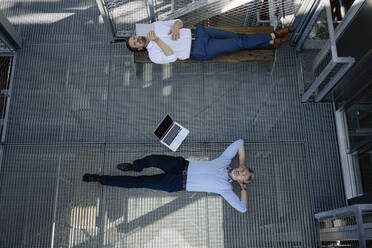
(90, 178)
(279, 41)
(126, 167)
(283, 31)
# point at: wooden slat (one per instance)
(243, 56)
(248, 30)
(251, 55)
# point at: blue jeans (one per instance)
(170, 180)
(210, 42)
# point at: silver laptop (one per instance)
(143, 29)
(170, 133)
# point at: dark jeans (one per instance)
(210, 42)
(170, 180)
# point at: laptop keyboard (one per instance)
(171, 134)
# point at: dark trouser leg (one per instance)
(215, 33)
(168, 164)
(164, 182)
(211, 42)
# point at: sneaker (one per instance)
(280, 41)
(90, 178)
(126, 167)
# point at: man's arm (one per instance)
(232, 150)
(244, 196)
(175, 30)
(164, 47)
(234, 201)
(241, 155)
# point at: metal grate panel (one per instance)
(57, 21)
(79, 107)
(98, 98)
(320, 136)
(58, 208)
(65, 88)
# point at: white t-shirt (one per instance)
(180, 47)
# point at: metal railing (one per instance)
(122, 15)
(328, 68)
(349, 226)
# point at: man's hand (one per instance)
(244, 196)
(152, 36)
(164, 47)
(175, 30)
(242, 185)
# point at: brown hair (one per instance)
(133, 49)
(252, 176)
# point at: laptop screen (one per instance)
(163, 127)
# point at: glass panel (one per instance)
(359, 122)
(365, 165)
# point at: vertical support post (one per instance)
(331, 30)
(359, 221)
(151, 9)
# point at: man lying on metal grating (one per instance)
(170, 41)
(179, 174)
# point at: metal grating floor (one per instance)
(52, 203)
(78, 106)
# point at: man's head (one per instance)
(241, 174)
(137, 43)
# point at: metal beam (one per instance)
(339, 30)
(334, 80)
(8, 34)
(309, 25)
(201, 10)
(151, 10)
(311, 90)
(302, 18)
(105, 16)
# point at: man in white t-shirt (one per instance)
(170, 41)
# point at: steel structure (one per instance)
(78, 107)
(120, 17)
(9, 38)
(327, 66)
(351, 225)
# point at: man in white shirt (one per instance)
(213, 176)
(170, 41)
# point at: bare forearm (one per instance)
(164, 47)
(244, 196)
(178, 24)
(241, 154)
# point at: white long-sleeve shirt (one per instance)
(181, 47)
(212, 176)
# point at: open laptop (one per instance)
(170, 133)
(143, 29)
